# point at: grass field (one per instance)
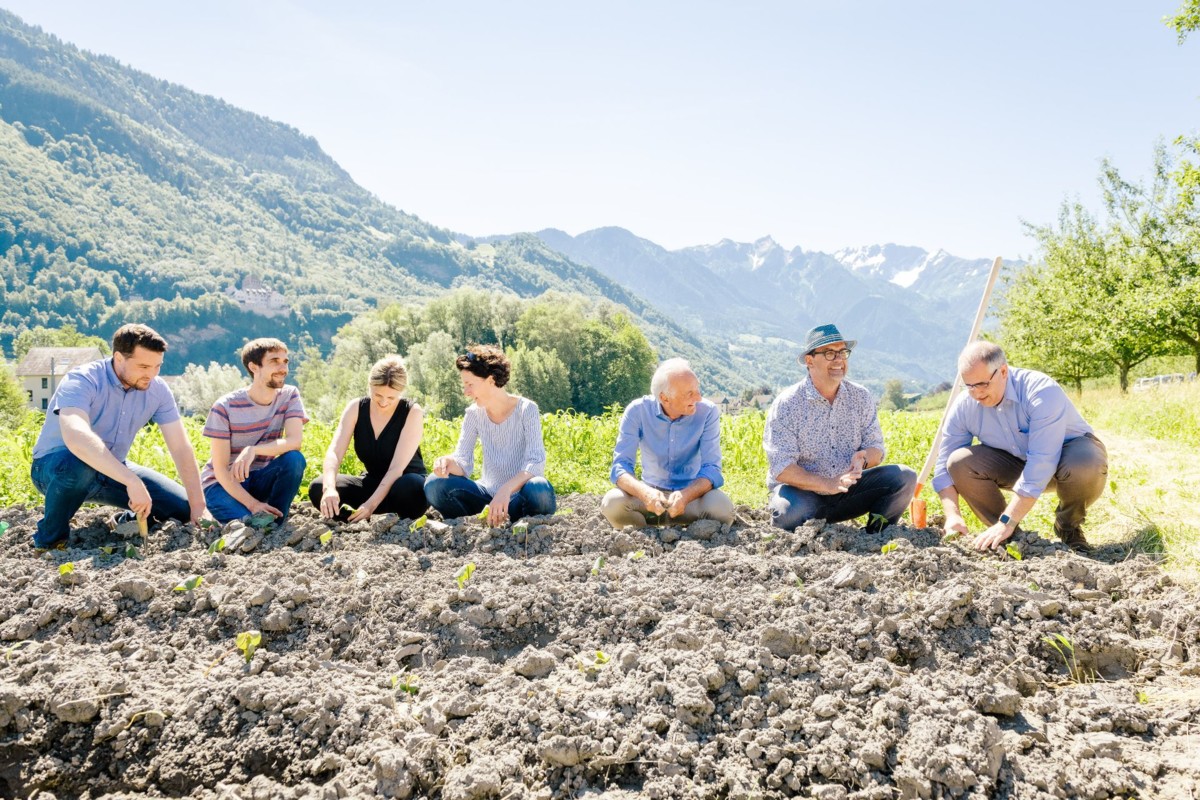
(1152, 504)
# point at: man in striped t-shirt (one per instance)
(256, 464)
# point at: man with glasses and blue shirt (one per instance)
(824, 446)
(1031, 438)
(679, 434)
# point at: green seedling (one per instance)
(108, 550)
(67, 568)
(597, 565)
(1013, 551)
(208, 524)
(216, 546)
(131, 552)
(1034, 587)
(563, 512)
(520, 528)
(592, 667)
(418, 523)
(483, 515)
(248, 642)
(3, 527)
(769, 537)
(463, 575)
(876, 519)
(1142, 697)
(637, 555)
(1066, 651)
(325, 538)
(890, 547)
(407, 684)
(261, 520)
(190, 583)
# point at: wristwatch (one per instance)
(1005, 519)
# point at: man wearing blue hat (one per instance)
(824, 446)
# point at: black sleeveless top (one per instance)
(376, 454)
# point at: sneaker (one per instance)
(1076, 541)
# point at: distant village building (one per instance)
(257, 298)
(43, 369)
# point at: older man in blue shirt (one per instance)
(90, 425)
(1031, 439)
(679, 434)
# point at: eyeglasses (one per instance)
(972, 387)
(834, 355)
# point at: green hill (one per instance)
(128, 197)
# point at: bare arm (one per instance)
(798, 476)
(330, 500)
(184, 457)
(221, 468)
(406, 448)
(89, 448)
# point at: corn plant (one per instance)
(1066, 651)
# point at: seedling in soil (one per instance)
(418, 523)
(1142, 697)
(407, 684)
(208, 524)
(67, 568)
(463, 575)
(769, 537)
(3, 527)
(637, 555)
(248, 642)
(325, 538)
(131, 551)
(1066, 651)
(1013, 551)
(191, 583)
(598, 565)
(594, 666)
(108, 550)
(520, 528)
(1034, 587)
(877, 519)
(889, 547)
(216, 546)
(483, 515)
(563, 512)
(261, 520)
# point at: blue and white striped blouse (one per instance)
(512, 446)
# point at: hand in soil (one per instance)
(992, 537)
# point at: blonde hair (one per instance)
(389, 371)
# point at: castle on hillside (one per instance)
(258, 298)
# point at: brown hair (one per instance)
(389, 371)
(134, 335)
(482, 360)
(253, 351)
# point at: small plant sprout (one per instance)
(325, 538)
(108, 550)
(1033, 586)
(3, 527)
(1143, 697)
(520, 528)
(248, 642)
(463, 575)
(1013, 551)
(1066, 651)
(598, 565)
(483, 515)
(208, 524)
(216, 546)
(190, 584)
(637, 555)
(67, 568)
(406, 683)
(261, 520)
(418, 523)
(349, 509)
(877, 519)
(592, 667)
(131, 551)
(890, 547)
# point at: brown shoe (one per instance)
(1075, 540)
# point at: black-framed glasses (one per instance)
(973, 387)
(834, 355)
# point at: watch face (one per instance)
(1004, 518)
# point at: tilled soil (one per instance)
(578, 661)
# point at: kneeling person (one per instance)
(90, 425)
(255, 432)
(679, 434)
(824, 446)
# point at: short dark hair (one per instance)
(254, 351)
(135, 335)
(482, 360)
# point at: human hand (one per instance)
(992, 537)
(364, 511)
(858, 463)
(441, 466)
(331, 503)
(240, 468)
(954, 524)
(498, 508)
(839, 485)
(655, 501)
(259, 506)
(201, 514)
(675, 504)
(139, 498)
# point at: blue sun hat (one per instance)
(823, 335)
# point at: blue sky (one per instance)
(823, 124)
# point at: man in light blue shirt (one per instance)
(1031, 439)
(90, 425)
(679, 434)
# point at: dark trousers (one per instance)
(884, 491)
(406, 498)
(979, 473)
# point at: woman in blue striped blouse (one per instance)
(513, 483)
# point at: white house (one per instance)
(43, 369)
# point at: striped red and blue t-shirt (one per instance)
(245, 423)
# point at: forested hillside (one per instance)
(127, 197)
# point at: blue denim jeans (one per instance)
(276, 484)
(881, 490)
(68, 483)
(456, 496)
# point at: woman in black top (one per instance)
(386, 429)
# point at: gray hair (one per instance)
(661, 382)
(987, 352)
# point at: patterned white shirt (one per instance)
(514, 445)
(806, 429)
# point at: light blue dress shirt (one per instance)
(674, 452)
(1032, 422)
(116, 414)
